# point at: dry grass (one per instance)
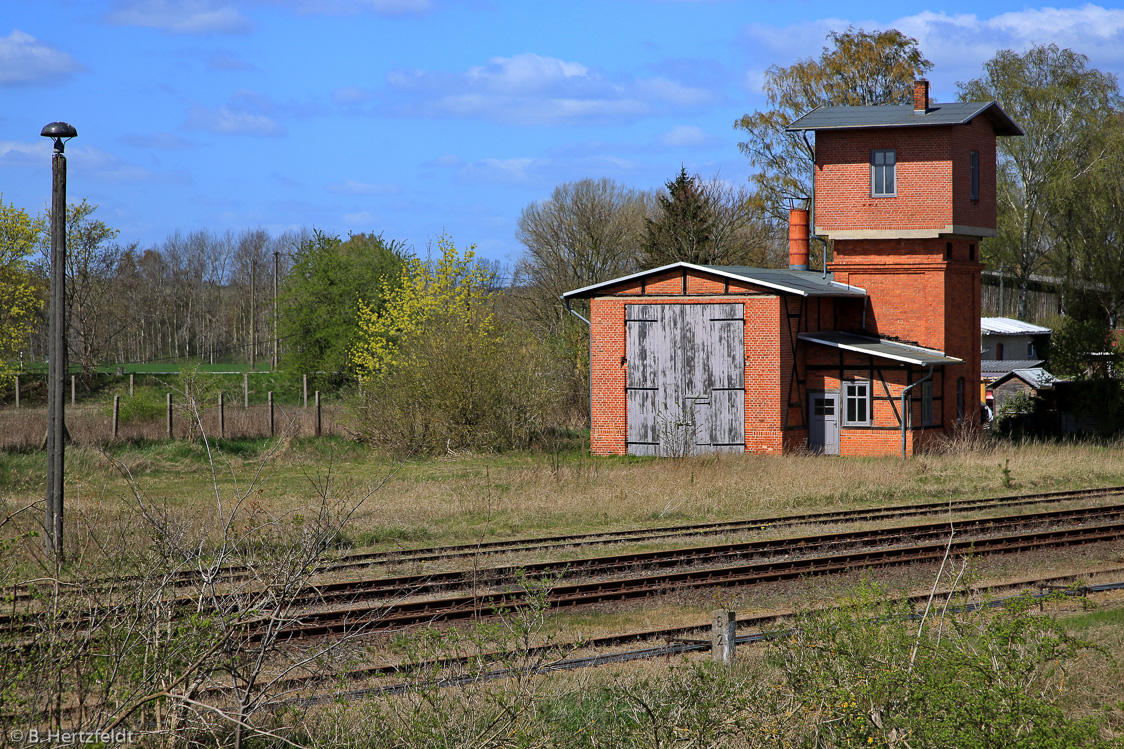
(463, 498)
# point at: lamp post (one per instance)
(60, 132)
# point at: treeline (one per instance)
(203, 296)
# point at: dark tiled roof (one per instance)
(801, 282)
(880, 348)
(956, 113)
(994, 368)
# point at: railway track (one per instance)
(424, 584)
(391, 592)
(357, 560)
(401, 614)
(674, 637)
(546, 543)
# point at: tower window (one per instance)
(883, 173)
(974, 174)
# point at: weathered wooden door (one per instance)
(686, 378)
(823, 423)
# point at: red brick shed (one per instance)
(689, 358)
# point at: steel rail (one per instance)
(408, 613)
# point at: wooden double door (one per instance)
(686, 378)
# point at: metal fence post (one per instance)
(169, 416)
(270, 413)
(116, 414)
(222, 417)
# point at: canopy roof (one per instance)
(880, 348)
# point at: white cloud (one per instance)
(684, 136)
(227, 61)
(358, 219)
(503, 171)
(159, 141)
(531, 89)
(23, 153)
(446, 161)
(959, 44)
(228, 121)
(351, 96)
(24, 60)
(352, 187)
(384, 8)
(180, 16)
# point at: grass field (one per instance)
(462, 498)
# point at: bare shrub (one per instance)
(168, 625)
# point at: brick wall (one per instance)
(932, 178)
(768, 360)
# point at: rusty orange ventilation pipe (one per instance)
(798, 239)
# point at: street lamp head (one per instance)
(61, 132)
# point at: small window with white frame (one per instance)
(927, 403)
(974, 175)
(883, 173)
(856, 403)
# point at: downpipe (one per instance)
(907, 415)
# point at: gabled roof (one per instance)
(1037, 378)
(880, 348)
(1009, 326)
(800, 282)
(998, 367)
(955, 113)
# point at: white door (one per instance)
(823, 422)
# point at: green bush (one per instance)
(456, 388)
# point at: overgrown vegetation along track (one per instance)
(406, 613)
(1065, 584)
(358, 560)
(398, 587)
(391, 589)
(545, 543)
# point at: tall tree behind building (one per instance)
(1061, 104)
(858, 68)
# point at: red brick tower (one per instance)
(905, 194)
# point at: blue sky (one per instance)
(413, 118)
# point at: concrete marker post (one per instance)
(723, 635)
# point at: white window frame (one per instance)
(888, 167)
(856, 392)
(974, 175)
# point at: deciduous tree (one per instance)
(319, 299)
(20, 299)
(1062, 105)
(859, 68)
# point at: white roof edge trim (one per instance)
(704, 269)
(859, 350)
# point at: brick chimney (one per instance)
(920, 96)
(798, 239)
